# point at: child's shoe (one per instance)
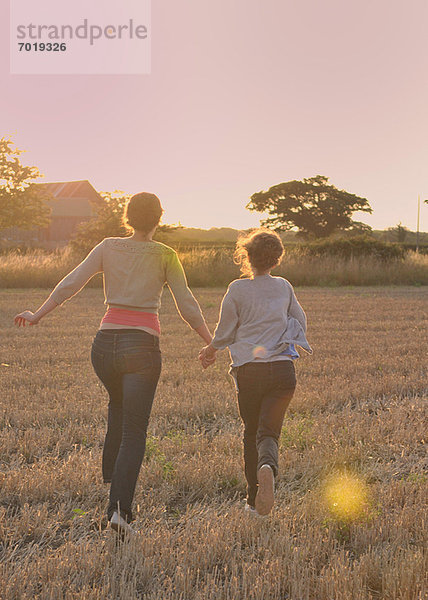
(250, 509)
(265, 493)
(252, 512)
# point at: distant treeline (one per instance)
(228, 235)
(341, 247)
(344, 247)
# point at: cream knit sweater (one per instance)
(134, 276)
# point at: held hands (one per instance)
(207, 356)
(27, 315)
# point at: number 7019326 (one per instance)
(42, 46)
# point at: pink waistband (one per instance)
(131, 318)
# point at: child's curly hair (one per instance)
(260, 250)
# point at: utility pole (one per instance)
(417, 228)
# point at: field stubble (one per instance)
(360, 410)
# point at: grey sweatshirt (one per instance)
(259, 319)
(134, 276)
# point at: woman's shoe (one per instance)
(120, 525)
(265, 494)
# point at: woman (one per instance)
(261, 321)
(125, 352)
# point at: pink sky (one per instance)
(243, 95)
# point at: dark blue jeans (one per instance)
(128, 362)
(264, 393)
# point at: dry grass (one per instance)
(214, 267)
(211, 267)
(35, 269)
(359, 409)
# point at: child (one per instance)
(260, 322)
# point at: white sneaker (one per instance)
(250, 509)
(265, 494)
(118, 523)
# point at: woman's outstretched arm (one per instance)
(187, 305)
(204, 332)
(67, 287)
(224, 334)
(33, 318)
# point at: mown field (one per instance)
(357, 423)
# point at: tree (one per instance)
(108, 223)
(22, 203)
(399, 232)
(316, 208)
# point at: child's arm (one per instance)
(295, 310)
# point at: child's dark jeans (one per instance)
(128, 362)
(264, 393)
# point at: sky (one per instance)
(241, 96)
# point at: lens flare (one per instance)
(346, 496)
(259, 352)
